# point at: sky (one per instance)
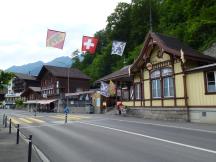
(24, 25)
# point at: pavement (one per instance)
(99, 137)
(12, 152)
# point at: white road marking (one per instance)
(56, 123)
(151, 137)
(164, 125)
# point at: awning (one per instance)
(31, 102)
(42, 102)
(80, 93)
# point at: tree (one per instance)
(19, 103)
(5, 77)
(191, 21)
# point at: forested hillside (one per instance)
(191, 21)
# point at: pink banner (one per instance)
(55, 39)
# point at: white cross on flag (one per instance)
(89, 44)
(118, 47)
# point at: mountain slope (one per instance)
(34, 68)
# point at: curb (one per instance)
(39, 153)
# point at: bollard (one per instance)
(30, 148)
(65, 117)
(10, 126)
(3, 119)
(6, 122)
(17, 140)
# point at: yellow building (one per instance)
(172, 81)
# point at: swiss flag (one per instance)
(89, 44)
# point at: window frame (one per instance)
(158, 92)
(135, 91)
(169, 92)
(206, 82)
(161, 79)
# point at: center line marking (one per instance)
(150, 137)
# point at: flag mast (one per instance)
(150, 16)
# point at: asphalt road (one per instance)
(103, 138)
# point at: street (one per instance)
(101, 138)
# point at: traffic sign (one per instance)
(66, 110)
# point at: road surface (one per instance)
(106, 138)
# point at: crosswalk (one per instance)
(26, 120)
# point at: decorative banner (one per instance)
(55, 39)
(89, 44)
(118, 48)
(112, 88)
(104, 89)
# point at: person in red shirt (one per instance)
(119, 107)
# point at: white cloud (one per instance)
(24, 24)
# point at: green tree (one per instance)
(5, 77)
(191, 21)
(19, 103)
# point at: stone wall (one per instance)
(82, 110)
(176, 114)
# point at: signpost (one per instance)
(66, 111)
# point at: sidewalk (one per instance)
(12, 152)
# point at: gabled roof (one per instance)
(30, 89)
(122, 73)
(35, 89)
(25, 76)
(63, 72)
(170, 45)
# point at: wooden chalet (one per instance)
(18, 85)
(56, 81)
(22, 81)
(173, 81)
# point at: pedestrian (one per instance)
(119, 107)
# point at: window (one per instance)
(211, 81)
(168, 86)
(125, 93)
(137, 91)
(156, 88)
(162, 76)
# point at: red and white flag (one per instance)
(89, 44)
(55, 39)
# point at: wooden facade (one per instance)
(55, 81)
(164, 78)
(22, 81)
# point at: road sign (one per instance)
(66, 110)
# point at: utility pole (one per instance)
(68, 84)
(150, 16)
